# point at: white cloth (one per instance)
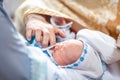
(104, 44)
(90, 69)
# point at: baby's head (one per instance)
(67, 52)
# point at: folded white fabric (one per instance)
(104, 45)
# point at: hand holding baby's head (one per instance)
(67, 52)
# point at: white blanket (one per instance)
(43, 69)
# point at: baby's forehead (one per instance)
(65, 44)
(71, 41)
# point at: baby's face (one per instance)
(67, 52)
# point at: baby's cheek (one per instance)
(57, 57)
(73, 54)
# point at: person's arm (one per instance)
(14, 62)
(38, 8)
(44, 32)
(35, 23)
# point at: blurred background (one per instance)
(12, 5)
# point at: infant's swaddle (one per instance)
(85, 63)
(102, 43)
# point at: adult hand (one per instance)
(44, 32)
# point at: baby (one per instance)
(66, 52)
(84, 53)
(74, 54)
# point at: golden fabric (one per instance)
(102, 15)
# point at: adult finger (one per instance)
(28, 34)
(60, 33)
(46, 39)
(52, 38)
(38, 36)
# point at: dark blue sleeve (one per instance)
(14, 62)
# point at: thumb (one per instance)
(60, 33)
